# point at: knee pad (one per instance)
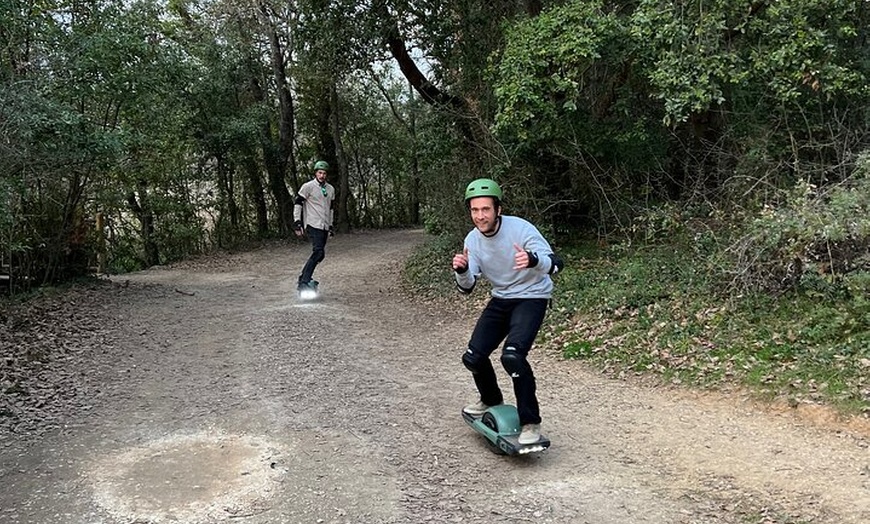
(514, 362)
(471, 361)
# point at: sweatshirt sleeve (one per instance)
(465, 281)
(535, 243)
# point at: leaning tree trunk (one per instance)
(474, 135)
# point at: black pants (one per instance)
(318, 252)
(517, 322)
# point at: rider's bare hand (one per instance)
(460, 261)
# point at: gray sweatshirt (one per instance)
(493, 258)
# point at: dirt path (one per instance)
(211, 395)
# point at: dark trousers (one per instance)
(516, 321)
(318, 252)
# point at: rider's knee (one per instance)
(471, 361)
(514, 362)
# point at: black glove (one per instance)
(331, 231)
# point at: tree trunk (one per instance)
(142, 210)
(228, 204)
(275, 167)
(255, 191)
(341, 215)
(286, 126)
(100, 226)
(414, 191)
(66, 253)
(283, 198)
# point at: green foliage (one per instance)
(427, 271)
(663, 307)
(627, 278)
(702, 54)
(617, 110)
(789, 317)
(565, 75)
(574, 115)
(811, 239)
(443, 179)
(382, 145)
(9, 189)
(806, 237)
(658, 311)
(92, 116)
(655, 121)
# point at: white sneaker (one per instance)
(477, 409)
(530, 434)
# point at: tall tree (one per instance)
(281, 157)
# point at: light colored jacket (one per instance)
(314, 204)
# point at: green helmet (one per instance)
(483, 187)
(321, 164)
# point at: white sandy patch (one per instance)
(190, 478)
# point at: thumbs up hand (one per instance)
(521, 257)
(460, 261)
(524, 259)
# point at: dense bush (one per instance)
(813, 235)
